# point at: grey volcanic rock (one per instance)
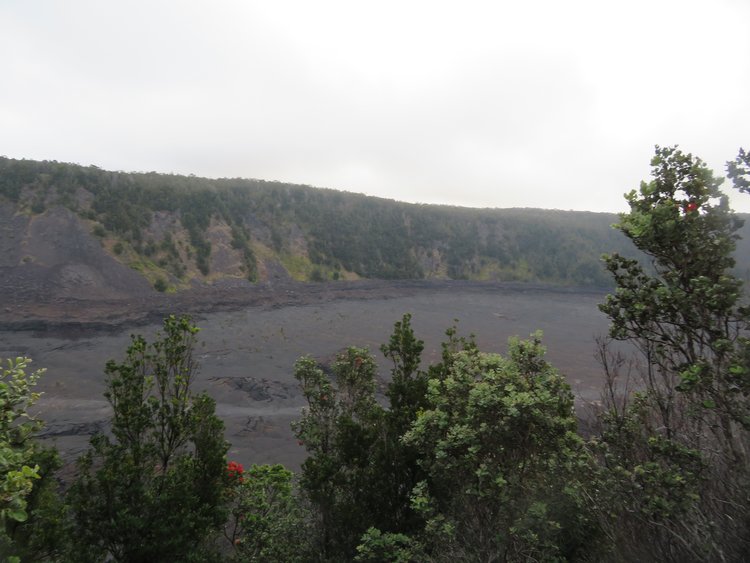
(74, 429)
(258, 389)
(52, 256)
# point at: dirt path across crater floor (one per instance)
(250, 339)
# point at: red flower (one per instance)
(690, 207)
(235, 471)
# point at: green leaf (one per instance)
(17, 514)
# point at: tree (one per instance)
(738, 170)
(18, 470)
(359, 474)
(153, 491)
(44, 534)
(408, 386)
(16, 430)
(266, 522)
(339, 430)
(502, 459)
(376, 547)
(396, 461)
(676, 452)
(386, 484)
(32, 515)
(160, 285)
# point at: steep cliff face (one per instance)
(237, 250)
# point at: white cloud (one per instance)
(544, 103)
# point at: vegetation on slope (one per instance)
(170, 227)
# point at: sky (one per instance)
(535, 103)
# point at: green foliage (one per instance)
(44, 535)
(377, 547)
(38, 206)
(738, 170)
(241, 241)
(31, 513)
(160, 285)
(16, 429)
(266, 522)
(503, 461)
(675, 463)
(339, 430)
(408, 386)
(476, 459)
(687, 318)
(359, 475)
(169, 257)
(18, 461)
(374, 238)
(196, 229)
(153, 490)
(407, 396)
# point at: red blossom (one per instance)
(235, 471)
(690, 207)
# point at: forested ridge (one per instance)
(172, 228)
(475, 457)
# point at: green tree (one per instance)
(676, 452)
(153, 491)
(396, 462)
(339, 429)
(738, 170)
(267, 522)
(16, 430)
(359, 474)
(376, 547)
(503, 461)
(44, 535)
(408, 385)
(18, 470)
(160, 285)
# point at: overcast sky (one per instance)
(549, 103)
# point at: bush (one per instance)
(153, 490)
(160, 285)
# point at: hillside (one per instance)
(67, 227)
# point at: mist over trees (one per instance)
(476, 457)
